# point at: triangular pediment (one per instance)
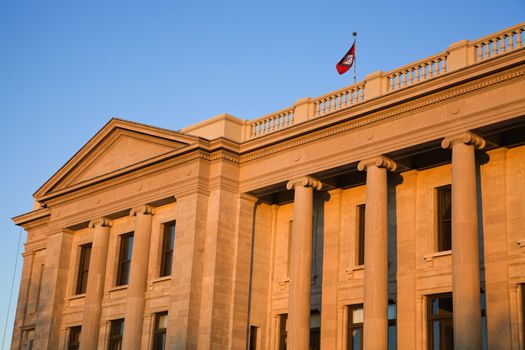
(119, 145)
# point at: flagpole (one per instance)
(355, 63)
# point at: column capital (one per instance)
(102, 222)
(379, 161)
(304, 181)
(143, 209)
(467, 138)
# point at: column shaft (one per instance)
(95, 284)
(376, 261)
(301, 264)
(137, 279)
(375, 325)
(465, 254)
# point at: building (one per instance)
(390, 211)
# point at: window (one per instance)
(360, 231)
(124, 263)
(355, 327)
(83, 268)
(116, 330)
(392, 329)
(253, 338)
(315, 330)
(73, 342)
(444, 219)
(159, 337)
(283, 330)
(289, 256)
(440, 329)
(168, 240)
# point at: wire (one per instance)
(12, 286)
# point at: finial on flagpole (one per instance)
(354, 33)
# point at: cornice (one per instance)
(31, 217)
(388, 114)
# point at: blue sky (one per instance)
(66, 67)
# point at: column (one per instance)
(137, 279)
(376, 253)
(301, 263)
(95, 284)
(465, 254)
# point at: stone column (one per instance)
(95, 284)
(301, 263)
(376, 253)
(465, 254)
(137, 278)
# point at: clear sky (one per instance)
(66, 67)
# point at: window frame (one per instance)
(443, 221)
(127, 262)
(114, 339)
(166, 253)
(283, 333)
(432, 317)
(159, 332)
(72, 331)
(351, 326)
(360, 234)
(83, 270)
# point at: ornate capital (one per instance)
(143, 209)
(304, 181)
(467, 138)
(102, 222)
(380, 162)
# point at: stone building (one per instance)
(389, 212)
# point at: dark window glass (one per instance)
(159, 337)
(315, 331)
(116, 330)
(355, 327)
(253, 338)
(392, 328)
(289, 256)
(124, 263)
(283, 330)
(444, 212)
(439, 322)
(360, 241)
(484, 345)
(83, 268)
(73, 342)
(168, 241)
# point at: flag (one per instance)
(347, 61)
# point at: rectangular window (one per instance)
(355, 327)
(159, 337)
(440, 329)
(168, 240)
(73, 342)
(392, 328)
(444, 219)
(116, 331)
(83, 268)
(289, 256)
(360, 231)
(283, 330)
(124, 263)
(253, 338)
(315, 330)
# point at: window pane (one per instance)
(360, 234)
(357, 316)
(391, 311)
(440, 322)
(83, 268)
(74, 338)
(392, 337)
(126, 248)
(168, 242)
(444, 205)
(356, 339)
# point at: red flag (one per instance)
(347, 61)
